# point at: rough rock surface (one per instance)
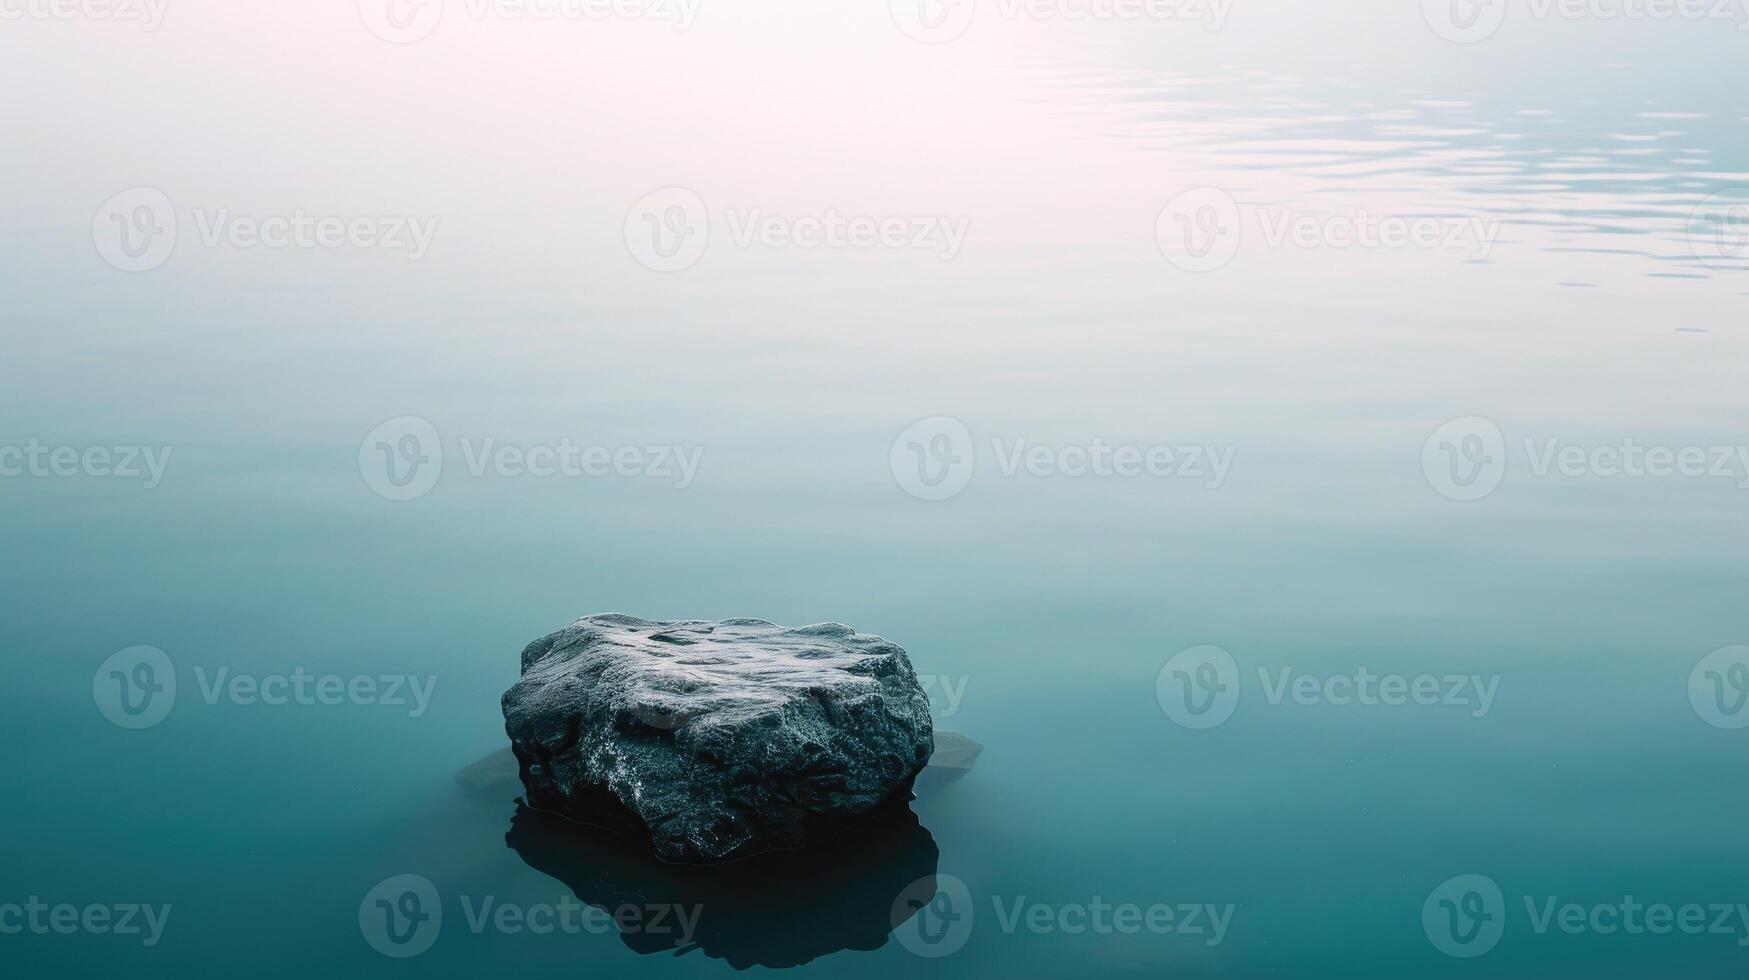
(721, 739)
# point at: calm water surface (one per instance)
(1603, 301)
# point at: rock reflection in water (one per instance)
(775, 910)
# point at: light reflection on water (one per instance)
(1581, 176)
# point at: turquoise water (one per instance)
(1583, 750)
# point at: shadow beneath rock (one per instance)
(954, 757)
(492, 778)
(775, 910)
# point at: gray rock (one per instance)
(498, 776)
(719, 739)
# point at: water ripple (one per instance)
(1588, 178)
